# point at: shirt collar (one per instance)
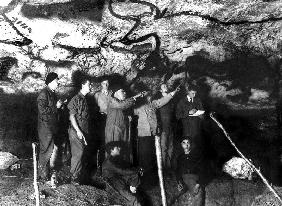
(80, 94)
(49, 90)
(189, 98)
(105, 92)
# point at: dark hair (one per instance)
(83, 81)
(111, 145)
(186, 137)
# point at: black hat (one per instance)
(50, 77)
(103, 78)
(115, 88)
(109, 146)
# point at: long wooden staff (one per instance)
(251, 164)
(36, 190)
(160, 170)
(129, 140)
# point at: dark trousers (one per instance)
(102, 118)
(167, 145)
(46, 146)
(77, 149)
(190, 181)
(122, 187)
(146, 152)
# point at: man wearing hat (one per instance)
(48, 106)
(117, 121)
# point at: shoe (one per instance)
(75, 181)
(54, 181)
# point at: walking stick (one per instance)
(36, 190)
(129, 140)
(160, 170)
(251, 164)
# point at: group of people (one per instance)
(155, 112)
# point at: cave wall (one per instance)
(231, 49)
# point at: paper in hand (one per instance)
(198, 113)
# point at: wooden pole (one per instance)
(36, 190)
(160, 170)
(130, 140)
(248, 161)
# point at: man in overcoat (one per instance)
(48, 106)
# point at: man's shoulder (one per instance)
(42, 93)
(76, 98)
(182, 100)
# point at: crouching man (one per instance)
(119, 175)
(78, 130)
(188, 168)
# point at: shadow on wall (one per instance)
(75, 9)
(18, 120)
(243, 71)
(5, 65)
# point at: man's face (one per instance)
(120, 94)
(185, 144)
(54, 84)
(192, 93)
(105, 84)
(115, 151)
(164, 88)
(86, 87)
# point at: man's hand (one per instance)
(192, 111)
(130, 118)
(175, 91)
(59, 104)
(180, 187)
(79, 134)
(141, 171)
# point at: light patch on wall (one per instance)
(5, 2)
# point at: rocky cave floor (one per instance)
(16, 188)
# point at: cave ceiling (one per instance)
(233, 47)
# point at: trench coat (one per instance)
(47, 126)
(117, 121)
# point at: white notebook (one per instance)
(198, 113)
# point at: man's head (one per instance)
(113, 148)
(191, 92)
(149, 97)
(105, 84)
(52, 81)
(186, 144)
(85, 86)
(119, 93)
(164, 88)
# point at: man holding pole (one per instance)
(78, 129)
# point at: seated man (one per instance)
(119, 175)
(188, 168)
